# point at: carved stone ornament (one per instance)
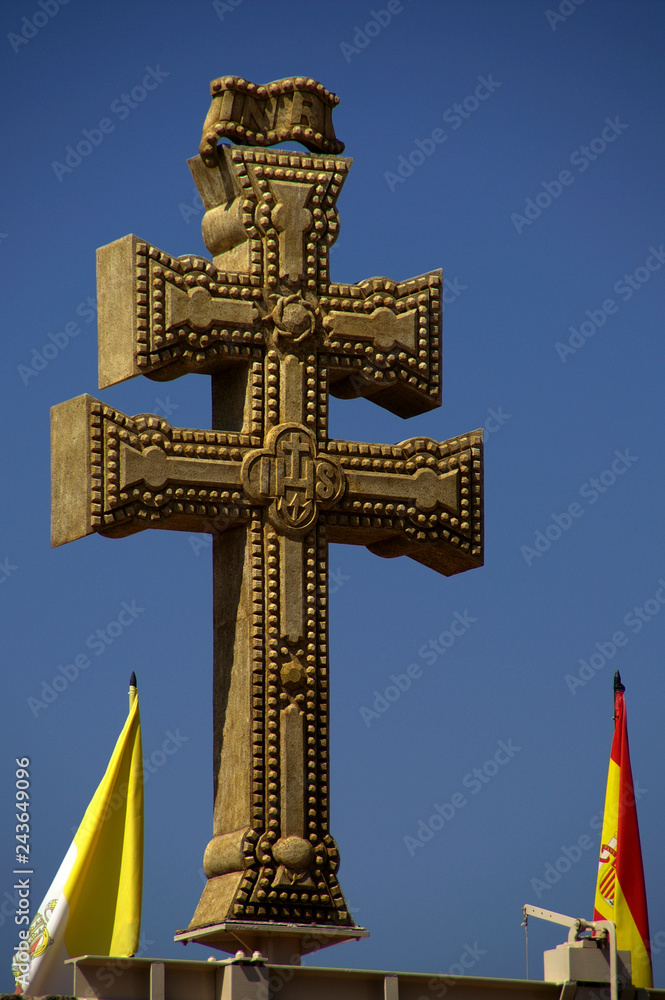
(276, 335)
(262, 115)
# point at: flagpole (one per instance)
(618, 686)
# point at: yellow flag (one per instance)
(94, 904)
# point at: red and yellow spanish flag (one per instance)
(620, 891)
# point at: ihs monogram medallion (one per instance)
(290, 476)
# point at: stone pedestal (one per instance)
(106, 978)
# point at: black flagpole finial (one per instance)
(618, 686)
(133, 684)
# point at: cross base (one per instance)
(279, 944)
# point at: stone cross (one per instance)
(276, 335)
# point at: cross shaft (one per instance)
(276, 336)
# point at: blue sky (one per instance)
(520, 149)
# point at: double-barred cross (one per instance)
(276, 336)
